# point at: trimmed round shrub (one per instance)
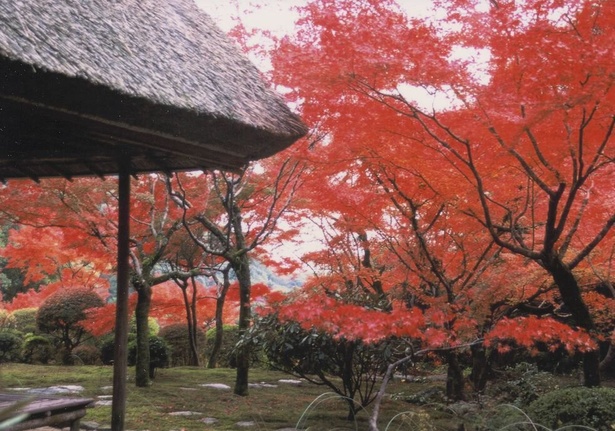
(61, 315)
(176, 336)
(86, 354)
(10, 346)
(37, 349)
(25, 320)
(159, 354)
(590, 407)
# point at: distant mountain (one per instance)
(260, 273)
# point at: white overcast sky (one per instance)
(277, 15)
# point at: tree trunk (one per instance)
(608, 360)
(190, 321)
(193, 322)
(215, 350)
(144, 297)
(571, 296)
(241, 266)
(217, 346)
(480, 368)
(454, 378)
(348, 379)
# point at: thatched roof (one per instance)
(86, 82)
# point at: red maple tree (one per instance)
(522, 147)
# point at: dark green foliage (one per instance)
(25, 320)
(226, 356)
(355, 366)
(11, 279)
(176, 336)
(522, 384)
(431, 395)
(590, 407)
(7, 321)
(12, 282)
(37, 349)
(11, 342)
(152, 326)
(61, 314)
(159, 352)
(86, 354)
(106, 345)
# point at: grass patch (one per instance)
(179, 389)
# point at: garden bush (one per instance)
(7, 321)
(159, 354)
(61, 315)
(589, 407)
(106, 346)
(106, 343)
(522, 384)
(316, 356)
(25, 320)
(86, 354)
(226, 355)
(176, 336)
(11, 342)
(37, 349)
(152, 325)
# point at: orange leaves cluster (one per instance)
(530, 332)
(354, 321)
(533, 104)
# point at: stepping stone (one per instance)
(186, 413)
(54, 390)
(209, 421)
(216, 386)
(261, 385)
(103, 403)
(105, 397)
(245, 424)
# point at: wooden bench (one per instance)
(46, 411)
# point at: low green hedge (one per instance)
(590, 407)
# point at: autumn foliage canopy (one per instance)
(457, 178)
(462, 168)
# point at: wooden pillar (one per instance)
(120, 361)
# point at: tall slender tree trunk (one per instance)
(454, 378)
(193, 323)
(215, 350)
(571, 296)
(347, 377)
(144, 298)
(480, 368)
(608, 361)
(241, 266)
(190, 321)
